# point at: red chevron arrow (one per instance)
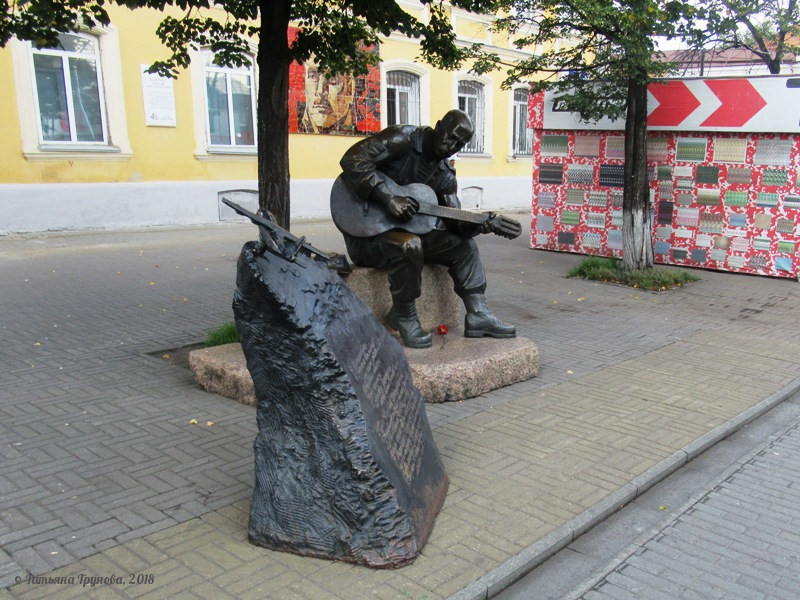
(740, 102)
(675, 103)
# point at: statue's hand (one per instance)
(488, 225)
(402, 207)
(500, 225)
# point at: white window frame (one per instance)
(116, 146)
(488, 112)
(204, 151)
(512, 111)
(228, 71)
(64, 56)
(424, 87)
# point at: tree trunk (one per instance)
(273, 109)
(637, 228)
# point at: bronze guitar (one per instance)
(365, 219)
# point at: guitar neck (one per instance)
(452, 213)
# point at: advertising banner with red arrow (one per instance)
(742, 104)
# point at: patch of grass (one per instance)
(596, 269)
(610, 269)
(225, 334)
(659, 278)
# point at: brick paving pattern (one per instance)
(103, 474)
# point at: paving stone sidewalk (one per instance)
(741, 540)
(103, 474)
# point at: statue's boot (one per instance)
(403, 318)
(480, 321)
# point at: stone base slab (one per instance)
(223, 370)
(457, 368)
(453, 368)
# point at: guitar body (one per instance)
(366, 219)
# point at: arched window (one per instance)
(471, 101)
(69, 91)
(230, 102)
(402, 98)
(522, 134)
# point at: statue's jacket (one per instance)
(397, 152)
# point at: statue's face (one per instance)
(449, 137)
(327, 99)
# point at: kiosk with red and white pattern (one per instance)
(724, 164)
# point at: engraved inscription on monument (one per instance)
(387, 388)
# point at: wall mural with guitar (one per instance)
(725, 199)
(340, 105)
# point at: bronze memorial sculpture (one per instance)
(396, 205)
(345, 463)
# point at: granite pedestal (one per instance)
(454, 368)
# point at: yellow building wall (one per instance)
(10, 149)
(168, 153)
(473, 31)
(159, 153)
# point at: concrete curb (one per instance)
(499, 578)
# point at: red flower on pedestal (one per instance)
(442, 329)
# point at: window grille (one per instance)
(522, 135)
(471, 101)
(402, 98)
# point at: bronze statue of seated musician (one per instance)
(396, 205)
